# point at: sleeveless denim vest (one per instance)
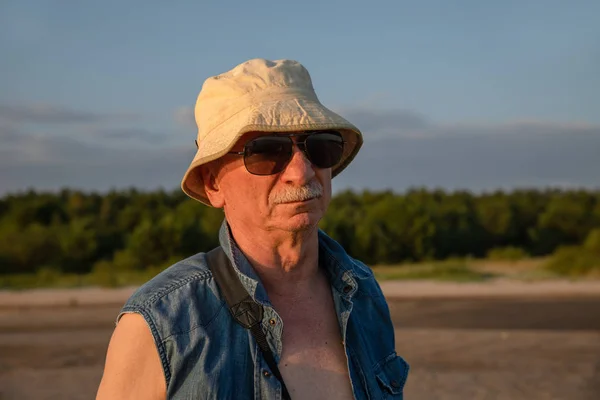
(205, 354)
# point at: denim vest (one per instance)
(205, 354)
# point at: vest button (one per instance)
(347, 289)
(266, 373)
(272, 321)
(395, 384)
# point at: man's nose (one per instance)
(299, 170)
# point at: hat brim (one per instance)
(273, 116)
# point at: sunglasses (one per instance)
(268, 155)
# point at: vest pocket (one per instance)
(391, 375)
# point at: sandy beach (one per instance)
(397, 289)
(493, 340)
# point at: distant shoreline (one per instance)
(95, 296)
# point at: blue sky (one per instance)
(97, 94)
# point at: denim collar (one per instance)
(339, 267)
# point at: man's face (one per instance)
(294, 199)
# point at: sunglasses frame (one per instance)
(301, 145)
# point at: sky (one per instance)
(460, 94)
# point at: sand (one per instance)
(399, 289)
(494, 340)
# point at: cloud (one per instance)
(381, 124)
(51, 163)
(9, 133)
(99, 170)
(401, 150)
(386, 122)
(52, 114)
(184, 116)
(523, 127)
(118, 135)
(93, 146)
(518, 157)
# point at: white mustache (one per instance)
(301, 193)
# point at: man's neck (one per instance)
(286, 262)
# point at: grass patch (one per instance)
(578, 261)
(440, 271)
(61, 281)
(103, 274)
(574, 261)
(570, 262)
(507, 254)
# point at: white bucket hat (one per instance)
(265, 96)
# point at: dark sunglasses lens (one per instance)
(325, 149)
(267, 155)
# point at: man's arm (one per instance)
(133, 368)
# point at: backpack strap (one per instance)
(244, 310)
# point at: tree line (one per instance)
(76, 232)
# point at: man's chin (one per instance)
(301, 221)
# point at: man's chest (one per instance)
(313, 359)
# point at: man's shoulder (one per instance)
(180, 299)
(186, 275)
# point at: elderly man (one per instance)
(279, 310)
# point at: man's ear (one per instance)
(210, 179)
